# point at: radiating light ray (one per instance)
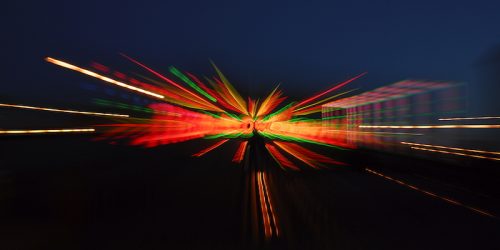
(47, 131)
(432, 126)
(329, 90)
(309, 157)
(452, 148)
(227, 116)
(229, 97)
(456, 153)
(101, 77)
(469, 118)
(241, 103)
(270, 102)
(325, 100)
(280, 158)
(240, 153)
(446, 199)
(179, 74)
(61, 110)
(164, 78)
(204, 151)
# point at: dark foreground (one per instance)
(72, 193)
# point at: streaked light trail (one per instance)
(61, 110)
(46, 131)
(240, 153)
(431, 126)
(204, 151)
(101, 77)
(456, 153)
(269, 219)
(469, 118)
(451, 201)
(457, 149)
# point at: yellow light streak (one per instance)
(456, 149)
(432, 126)
(101, 77)
(61, 110)
(46, 131)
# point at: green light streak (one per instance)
(233, 116)
(278, 112)
(107, 103)
(183, 77)
(291, 138)
(229, 135)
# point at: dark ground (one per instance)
(67, 192)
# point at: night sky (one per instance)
(305, 46)
(77, 191)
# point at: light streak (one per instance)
(268, 198)
(221, 113)
(179, 74)
(263, 206)
(232, 91)
(307, 156)
(456, 149)
(431, 126)
(266, 206)
(456, 153)
(446, 199)
(240, 153)
(101, 77)
(47, 131)
(329, 90)
(374, 132)
(61, 110)
(204, 151)
(469, 118)
(280, 158)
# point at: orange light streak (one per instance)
(268, 198)
(61, 110)
(204, 151)
(451, 201)
(457, 149)
(456, 153)
(263, 207)
(101, 77)
(280, 158)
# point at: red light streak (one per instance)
(280, 158)
(330, 90)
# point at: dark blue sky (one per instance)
(304, 45)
